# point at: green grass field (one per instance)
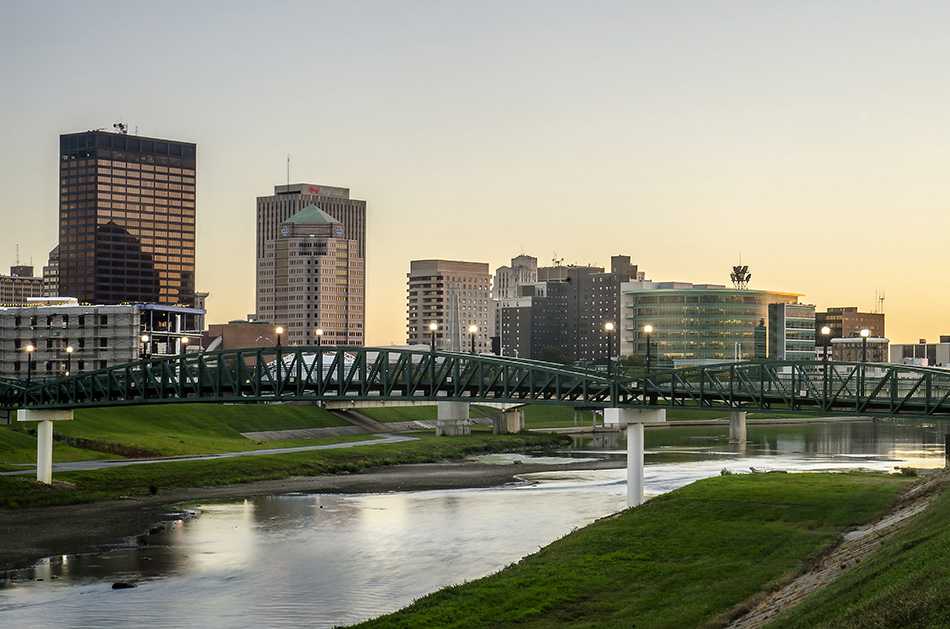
(174, 429)
(684, 559)
(182, 429)
(556, 416)
(904, 584)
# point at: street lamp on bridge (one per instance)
(69, 355)
(473, 330)
(184, 344)
(432, 328)
(609, 328)
(826, 338)
(319, 334)
(145, 340)
(279, 330)
(648, 330)
(865, 333)
(29, 363)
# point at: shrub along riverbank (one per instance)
(689, 558)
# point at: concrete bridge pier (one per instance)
(737, 432)
(44, 437)
(453, 420)
(634, 419)
(507, 422)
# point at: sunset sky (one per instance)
(810, 138)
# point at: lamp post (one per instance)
(865, 333)
(609, 328)
(184, 344)
(145, 339)
(826, 338)
(279, 330)
(473, 330)
(432, 328)
(29, 363)
(648, 330)
(69, 355)
(319, 334)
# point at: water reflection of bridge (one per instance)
(359, 376)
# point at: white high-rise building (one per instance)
(523, 271)
(454, 295)
(311, 277)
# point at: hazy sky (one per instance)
(811, 138)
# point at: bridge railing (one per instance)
(359, 373)
(834, 387)
(322, 373)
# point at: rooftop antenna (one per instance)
(879, 299)
(556, 260)
(740, 275)
(18, 254)
(121, 127)
(288, 170)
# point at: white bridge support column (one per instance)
(507, 422)
(634, 419)
(44, 438)
(737, 433)
(453, 420)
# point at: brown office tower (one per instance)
(311, 248)
(126, 219)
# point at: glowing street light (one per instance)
(69, 355)
(184, 344)
(432, 328)
(29, 363)
(865, 333)
(319, 334)
(609, 327)
(145, 340)
(279, 330)
(473, 330)
(648, 330)
(826, 338)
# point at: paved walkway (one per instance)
(106, 463)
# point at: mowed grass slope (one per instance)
(155, 477)
(683, 559)
(906, 583)
(174, 429)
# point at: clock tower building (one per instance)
(311, 271)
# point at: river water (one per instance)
(326, 560)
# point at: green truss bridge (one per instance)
(356, 374)
(361, 375)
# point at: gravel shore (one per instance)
(28, 535)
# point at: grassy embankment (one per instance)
(904, 584)
(554, 416)
(689, 558)
(174, 430)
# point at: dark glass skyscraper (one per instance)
(126, 219)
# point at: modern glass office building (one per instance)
(791, 331)
(126, 219)
(697, 324)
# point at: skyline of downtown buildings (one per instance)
(127, 234)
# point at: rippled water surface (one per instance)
(325, 560)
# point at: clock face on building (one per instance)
(338, 231)
(285, 230)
